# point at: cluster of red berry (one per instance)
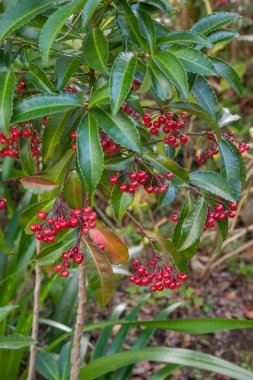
(130, 111)
(12, 144)
(159, 278)
(242, 147)
(61, 217)
(108, 144)
(73, 253)
(135, 85)
(70, 88)
(171, 125)
(20, 87)
(73, 137)
(156, 183)
(219, 213)
(3, 203)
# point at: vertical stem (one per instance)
(36, 307)
(80, 320)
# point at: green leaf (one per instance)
(205, 96)
(15, 341)
(189, 358)
(54, 24)
(193, 225)
(226, 71)
(57, 172)
(95, 50)
(120, 202)
(173, 70)
(90, 153)
(195, 109)
(5, 310)
(38, 185)
(222, 35)
(168, 197)
(213, 183)
(122, 76)
(184, 37)
(120, 128)
(164, 372)
(100, 275)
(47, 365)
(50, 254)
(128, 23)
(119, 163)
(148, 29)
(165, 164)
(178, 259)
(161, 85)
(29, 215)
(115, 250)
(214, 21)
(240, 162)
(193, 60)
(64, 361)
(44, 105)
(188, 204)
(3, 246)
(21, 13)
(72, 190)
(88, 10)
(230, 168)
(65, 67)
(26, 158)
(39, 78)
(100, 96)
(7, 88)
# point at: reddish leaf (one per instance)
(38, 185)
(115, 250)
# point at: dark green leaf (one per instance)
(240, 162)
(38, 185)
(26, 158)
(122, 76)
(226, 71)
(51, 253)
(72, 191)
(120, 202)
(168, 197)
(173, 70)
(95, 50)
(90, 152)
(193, 60)
(193, 225)
(184, 37)
(39, 78)
(120, 128)
(57, 172)
(44, 105)
(64, 361)
(47, 366)
(15, 341)
(213, 183)
(7, 88)
(222, 36)
(100, 275)
(65, 67)
(100, 96)
(54, 24)
(161, 84)
(147, 27)
(188, 204)
(118, 163)
(213, 21)
(205, 96)
(89, 9)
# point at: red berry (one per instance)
(218, 208)
(169, 115)
(154, 131)
(33, 227)
(135, 263)
(162, 119)
(123, 187)
(183, 139)
(27, 133)
(179, 124)
(233, 206)
(57, 267)
(73, 135)
(149, 189)
(169, 175)
(42, 215)
(231, 214)
(114, 180)
(146, 118)
(183, 115)
(133, 175)
(65, 273)
(174, 218)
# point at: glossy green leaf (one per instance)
(170, 250)
(168, 197)
(230, 168)
(21, 13)
(119, 163)
(100, 96)
(205, 96)
(184, 37)
(120, 202)
(122, 76)
(165, 164)
(159, 4)
(5, 310)
(65, 67)
(39, 78)
(161, 84)
(120, 128)
(29, 215)
(241, 162)
(222, 35)
(15, 341)
(3, 247)
(148, 29)
(188, 204)
(193, 225)
(7, 88)
(193, 60)
(90, 152)
(100, 275)
(213, 183)
(128, 23)
(54, 24)
(89, 9)
(95, 50)
(115, 249)
(173, 69)
(51, 253)
(226, 71)
(26, 158)
(213, 21)
(72, 190)
(44, 105)
(38, 185)
(47, 366)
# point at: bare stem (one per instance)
(80, 320)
